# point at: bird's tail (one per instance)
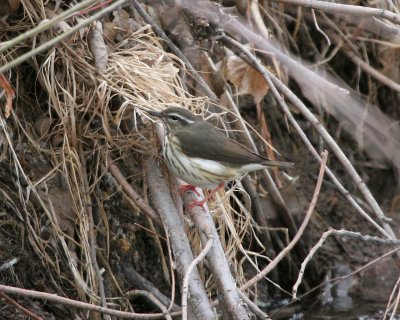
(279, 164)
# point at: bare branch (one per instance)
(342, 233)
(352, 10)
(138, 281)
(180, 244)
(152, 298)
(307, 259)
(147, 210)
(78, 304)
(365, 66)
(185, 284)
(44, 26)
(49, 44)
(18, 306)
(232, 306)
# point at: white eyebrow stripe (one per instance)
(182, 118)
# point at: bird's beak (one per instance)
(154, 113)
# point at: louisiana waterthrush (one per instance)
(202, 155)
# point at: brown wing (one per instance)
(203, 140)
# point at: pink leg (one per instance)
(188, 187)
(201, 202)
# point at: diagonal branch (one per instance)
(352, 10)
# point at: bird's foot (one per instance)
(188, 187)
(196, 203)
(200, 203)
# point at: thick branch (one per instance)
(180, 244)
(232, 305)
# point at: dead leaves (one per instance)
(246, 78)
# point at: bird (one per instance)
(201, 155)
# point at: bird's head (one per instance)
(175, 118)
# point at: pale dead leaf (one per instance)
(98, 48)
(10, 94)
(246, 78)
(123, 22)
(109, 31)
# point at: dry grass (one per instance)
(68, 119)
(78, 119)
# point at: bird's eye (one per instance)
(174, 118)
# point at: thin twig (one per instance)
(185, 285)
(44, 26)
(93, 248)
(171, 305)
(368, 238)
(342, 233)
(136, 280)
(319, 29)
(79, 304)
(307, 259)
(389, 304)
(152, 298)
(98, 6)
(296, 238)
(365, 66)
(105, 264)
(49, 44)
(256, 16)
(253, 307)
(147, 210)
(352, 10)
(18, 306)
